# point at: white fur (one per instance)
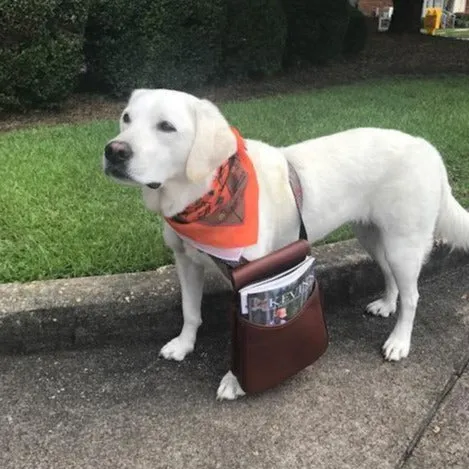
(391, 186)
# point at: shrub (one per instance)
(153, 43)
(254, 38)
(316, 29)
(356, 34)
(461, 20)
(41, 44)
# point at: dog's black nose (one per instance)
(117, 152)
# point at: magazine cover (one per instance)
(274, 302)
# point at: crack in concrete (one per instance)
(450, 383)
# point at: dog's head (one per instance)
(166, 134)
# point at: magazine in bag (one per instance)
(276, 300)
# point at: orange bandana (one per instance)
(227, 216)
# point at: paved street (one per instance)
(122, 407)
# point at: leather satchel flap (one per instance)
(271, 264)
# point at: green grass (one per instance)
(454, 33)
(61, 217)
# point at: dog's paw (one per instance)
(396, 347)
(177, 349)
(381, 308)
(229, 388)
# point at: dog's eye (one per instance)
(165, 126)
(126, 118)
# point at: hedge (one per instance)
(161, 43)
(254, 38)
(41, 51)
(153, 43)
(356, 34)
(316, 29)
(461, 20)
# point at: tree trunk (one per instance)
(406, 17)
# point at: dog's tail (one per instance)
(453, 220)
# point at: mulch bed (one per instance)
(385, 55)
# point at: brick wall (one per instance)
(369, 6)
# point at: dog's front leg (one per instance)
(191, 279)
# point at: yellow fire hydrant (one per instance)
(432, 20)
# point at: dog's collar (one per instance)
(227, 215)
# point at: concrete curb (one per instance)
(145, 306)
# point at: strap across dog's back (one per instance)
(295, 184)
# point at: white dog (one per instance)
(391, 186)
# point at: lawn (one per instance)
(454, 33)
(61, 217)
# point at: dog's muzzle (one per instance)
(116, 156)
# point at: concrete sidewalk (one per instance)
(119, 406)
(117, 309)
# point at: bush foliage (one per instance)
(461, 20)
(316, 29)
(162, 43)
(254, 38)
(41, 50)
(148, 43)
(356, 34)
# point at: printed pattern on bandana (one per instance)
(224, 204)
(226, 217)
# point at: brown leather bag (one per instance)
(264, 356)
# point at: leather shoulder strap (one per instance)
(298, 194)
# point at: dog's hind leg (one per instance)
(370, 238)
(405, 256)
(191, 278)
(229, 388)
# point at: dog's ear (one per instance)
(214, 141)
